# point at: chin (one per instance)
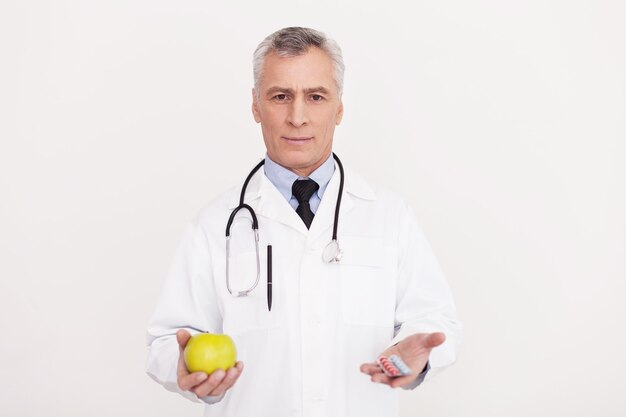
(293, 163)
(295, 159)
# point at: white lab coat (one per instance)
(303, 357)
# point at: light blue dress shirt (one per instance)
(283, 180)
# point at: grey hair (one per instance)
(294, 41)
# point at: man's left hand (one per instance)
(414, 351)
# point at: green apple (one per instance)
(207, 352)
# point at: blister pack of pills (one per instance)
(393, 366)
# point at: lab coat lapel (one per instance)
(274, 206)
(325, 215)
(268, 202)
(355, 188)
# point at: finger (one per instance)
(381, 378)
(209, 385)
(402, 381)
(181, 369)
(434, 340)
(229, 380)
(182, 336)
(371, 368)
(189, 381)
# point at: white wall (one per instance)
(502, 121)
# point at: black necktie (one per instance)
(302, 190)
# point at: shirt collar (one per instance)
(283, 179)
(354, 184)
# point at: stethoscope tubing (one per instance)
(334, 257)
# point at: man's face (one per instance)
(298, 108)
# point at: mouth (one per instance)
(297, 140)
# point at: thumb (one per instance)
(182, 336)
(434, 340)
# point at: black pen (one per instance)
(269, 277)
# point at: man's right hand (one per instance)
(200, 383)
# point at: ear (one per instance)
(339, 115)
(255, 108)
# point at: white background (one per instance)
(503, 123)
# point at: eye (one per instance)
(280, 97)
(317, 97)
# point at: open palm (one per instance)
(414, 351)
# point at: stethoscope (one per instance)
(332, 253)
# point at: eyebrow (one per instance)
(276, 89)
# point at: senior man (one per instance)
(312, 350)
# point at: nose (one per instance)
(297, 116)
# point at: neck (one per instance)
(305, 172)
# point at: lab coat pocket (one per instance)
(367, 282)
(250, 312)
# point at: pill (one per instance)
(400, 365)
(388, 367)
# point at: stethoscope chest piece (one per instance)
(332, 252)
